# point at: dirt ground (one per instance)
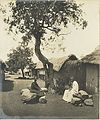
(55, 107)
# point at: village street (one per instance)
(54, 108)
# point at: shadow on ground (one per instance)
(7, 85)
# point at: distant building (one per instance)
(57, 63)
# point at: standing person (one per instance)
(72, 90)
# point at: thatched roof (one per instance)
(57, 63)
(93, 58)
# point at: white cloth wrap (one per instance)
(68, 94)
(26, 94)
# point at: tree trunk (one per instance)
(47, 65)
(23, 75)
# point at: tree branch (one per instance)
(63, 34)
(54, 30)
(43, 22)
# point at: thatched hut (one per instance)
(57, 64)
(85, 71)
(92, 66)
(73, 67)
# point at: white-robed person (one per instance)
(73, 89)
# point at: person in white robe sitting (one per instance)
(72, 90)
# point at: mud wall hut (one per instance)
(85, 71)
(92, 63)
(75, 68)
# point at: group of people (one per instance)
(72, 94)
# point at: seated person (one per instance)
(34, 86)
(36, 89)
(72, 90)
(33, 92)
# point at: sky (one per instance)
(79, 42)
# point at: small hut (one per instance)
(73, 67)
(92, 64)
(85, 71)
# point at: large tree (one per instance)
(19, 58)
(33, 19)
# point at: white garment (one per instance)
(44, 89)
(68, 94)
(26, 94)
(75, 88)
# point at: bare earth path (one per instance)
(13, 107)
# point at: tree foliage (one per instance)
(19, 58)
(34, 18)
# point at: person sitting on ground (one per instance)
(72, 90)
(36, 89)
(75, 86)
(34, 86)
(32, 93)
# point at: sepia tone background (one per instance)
(78, 42)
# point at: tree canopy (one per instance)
(33, 18)
(19, 58)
